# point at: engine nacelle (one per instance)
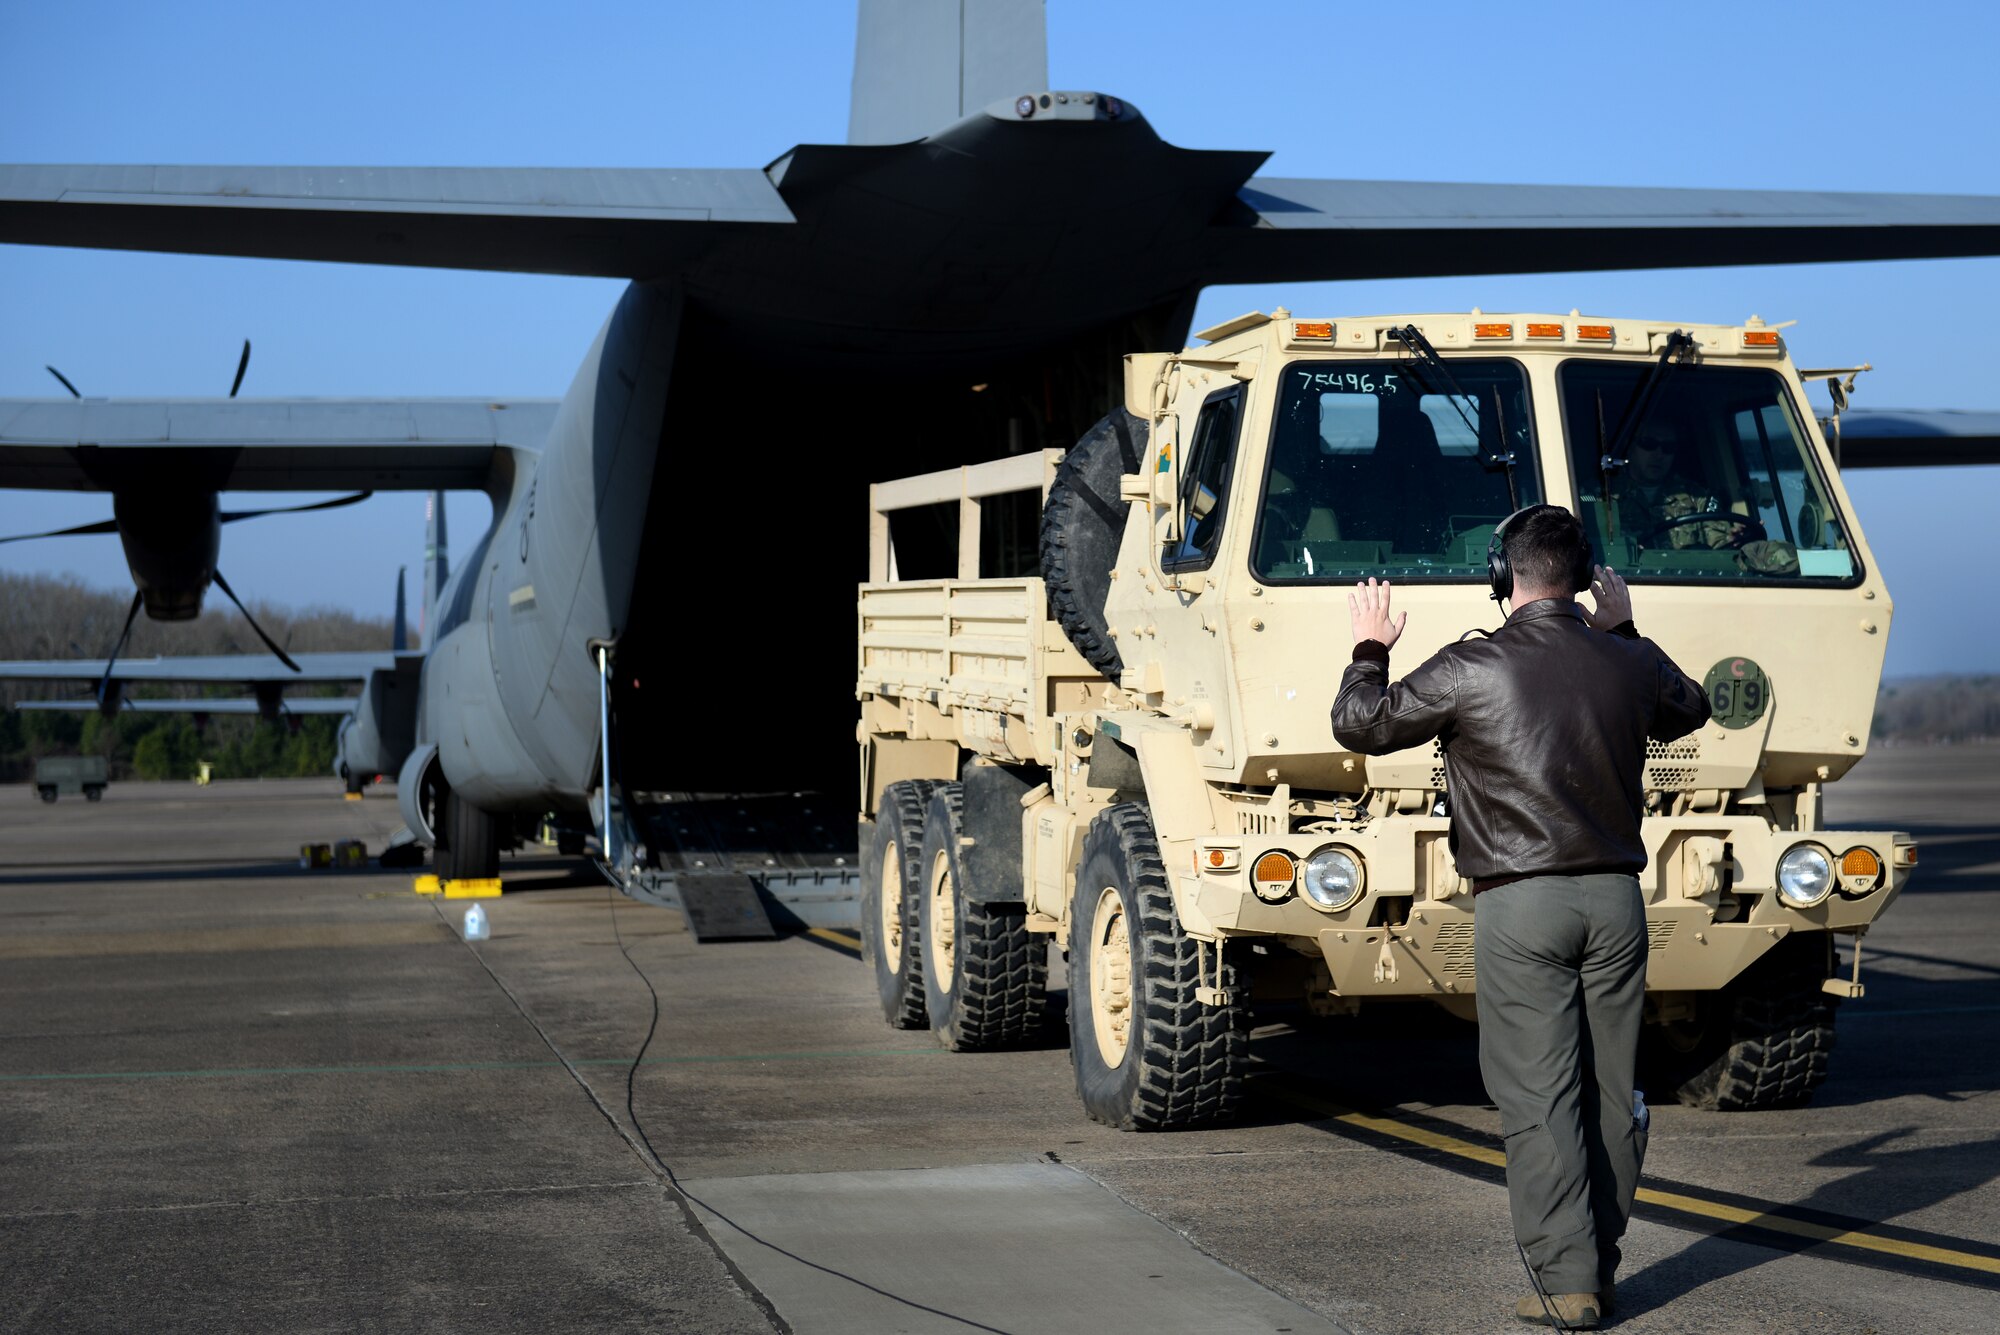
(172, 540)
(420, 790)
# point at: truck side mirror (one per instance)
(1143, 371)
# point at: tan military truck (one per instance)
(1128, 748)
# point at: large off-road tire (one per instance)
(468, 842)
(889, 895)
(1148, 1056)
(1762, 1042)
(1083, 522)
(986, 976)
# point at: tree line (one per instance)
(58, 617)
(1938, 709)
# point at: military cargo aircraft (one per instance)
(626, 623)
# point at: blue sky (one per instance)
(1821, 96)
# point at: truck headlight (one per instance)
(1332, 879)
(1805, 876)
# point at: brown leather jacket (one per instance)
(1544, 725)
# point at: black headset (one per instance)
(1500, 571)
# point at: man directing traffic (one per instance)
(1544, 725)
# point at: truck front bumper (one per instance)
(1710, 885)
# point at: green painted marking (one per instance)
(238, 1072)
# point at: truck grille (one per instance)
(1252, 820)
(1454, 949)
(1666, 777)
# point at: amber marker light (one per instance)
(1760, 338)
(1594, 333)
(1493, 331)
(1860, 870)
(1273, 876)
(1312, 329)
(1545, 331)
(1217, 859)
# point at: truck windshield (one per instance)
(1378, 468)
(1717, 484)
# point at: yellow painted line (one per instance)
(1801, 1228)
(841, 939)
(1672, 1200)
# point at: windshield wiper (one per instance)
(1413, 339)
(1680, 351)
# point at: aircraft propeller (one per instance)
(242, 365)
(104, 682)
(269, 643)
(227, 517)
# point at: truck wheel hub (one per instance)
(1111, 978)
(892, 903)
(943, 923)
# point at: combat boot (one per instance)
(1576, 1311)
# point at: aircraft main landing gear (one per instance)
(468, 846)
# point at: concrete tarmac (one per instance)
(239, 1096)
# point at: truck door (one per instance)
(1189, 643)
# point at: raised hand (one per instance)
(1368, 614)
(1613, 599)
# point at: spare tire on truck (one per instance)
(1083, 521)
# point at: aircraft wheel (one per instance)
(469, 843)
(985, 975)
(1083, 521)
(889, 896)
(1148, 1056)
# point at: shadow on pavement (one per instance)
(1902, 1180)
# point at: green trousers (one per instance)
(1562, 979)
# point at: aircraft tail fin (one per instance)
(437, 566)
(919, 65)
(399, 641)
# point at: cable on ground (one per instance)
(642, 1145)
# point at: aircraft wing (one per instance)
(1288, 229)
(237, 669)
(241, 705)
(265, 444)
(1917, 438)
(640, 223)
(587, 221)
